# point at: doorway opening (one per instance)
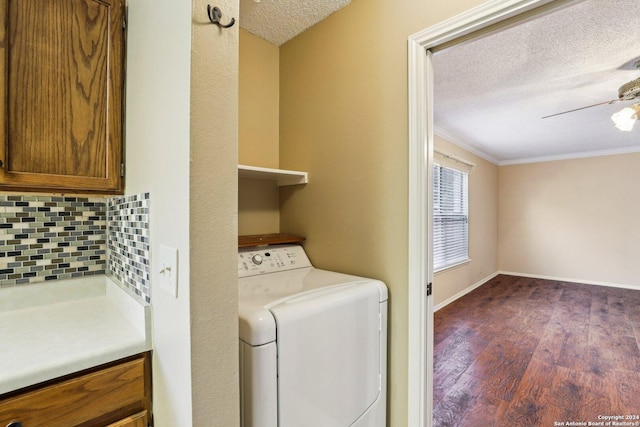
(487, 18)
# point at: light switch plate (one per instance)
(168, 270)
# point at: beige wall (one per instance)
(343, 118)
(181, 90)
(570, 219)
(258, 133)
(258, 207)
(259, 102)
(213, 218)
(573, 219)
(483, 228)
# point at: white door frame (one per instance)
(420, 306)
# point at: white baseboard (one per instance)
(533, 276)
(465, 291)
(566, 279)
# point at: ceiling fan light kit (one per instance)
(626, 118)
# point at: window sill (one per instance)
(449, 267)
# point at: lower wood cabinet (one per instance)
(113, 395)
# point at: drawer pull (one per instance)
(14, 424)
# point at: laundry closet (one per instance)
(313, 342)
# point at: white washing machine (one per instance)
(313, 343)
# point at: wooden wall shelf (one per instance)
(267, 239)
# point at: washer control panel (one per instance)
(270, 259)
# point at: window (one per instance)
(450, 217)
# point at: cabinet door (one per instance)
(61, 107)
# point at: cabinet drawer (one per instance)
(78, 400)
(138, 420)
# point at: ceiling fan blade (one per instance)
(633, 64)
(582, 108)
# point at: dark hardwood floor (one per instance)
(529, 352)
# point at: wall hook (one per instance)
(215, 14)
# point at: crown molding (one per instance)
(570, 156)
(455, 140)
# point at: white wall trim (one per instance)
(489, 13)
(455, 140)
(572, 280)
(421, 128)
(533, 276)
(598, 153)
(420, 306)
(465, 291)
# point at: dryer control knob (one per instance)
(257, 259)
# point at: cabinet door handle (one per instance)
(14, 424)
(1, 165)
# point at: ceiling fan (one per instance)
(624, 119)
(627, 92)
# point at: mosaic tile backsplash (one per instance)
(48, 238)
(128, 243)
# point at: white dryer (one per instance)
(313, 343)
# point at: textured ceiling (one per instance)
(491, 93)
(278, 21)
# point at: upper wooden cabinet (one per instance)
(61, 112)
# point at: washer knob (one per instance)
(257, 259)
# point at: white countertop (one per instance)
(52, 329)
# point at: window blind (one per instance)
(450, 217)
